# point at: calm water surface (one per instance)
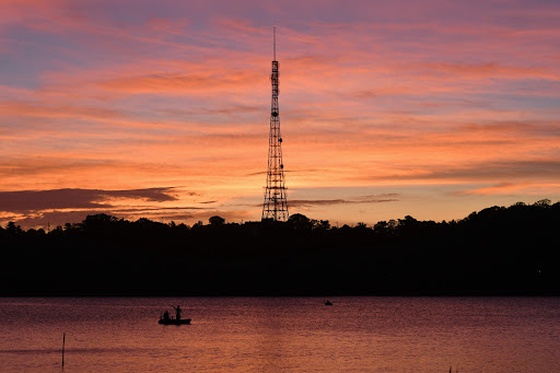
(356, 334)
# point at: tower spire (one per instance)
(275, 205)
(274, 41)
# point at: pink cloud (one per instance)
(175, 83)
(509, 188)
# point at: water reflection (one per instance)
(292, 334)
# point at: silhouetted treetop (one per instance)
(216, 220)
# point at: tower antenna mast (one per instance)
(274, 40)
(275, 205)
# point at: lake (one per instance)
(282, 334)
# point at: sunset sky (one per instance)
(160, 109)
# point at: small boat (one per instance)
(165, 319)
(173, 321)
(328, 303)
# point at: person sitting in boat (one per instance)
(166, 316)
(177, 312)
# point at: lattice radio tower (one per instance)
(275, 205)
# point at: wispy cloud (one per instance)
(57, 206)
(32, 200)
(388, 197)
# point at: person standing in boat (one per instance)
(177, 312)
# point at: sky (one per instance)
(161, 110)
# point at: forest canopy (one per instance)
(498, 250)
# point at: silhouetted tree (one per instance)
(216, 220)
(300, 222)
(322, 225)
(99, 222)
(13, 229)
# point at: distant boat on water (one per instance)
(328, 303)
(173, 321)
(165, 319)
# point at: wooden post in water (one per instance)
(63, 345)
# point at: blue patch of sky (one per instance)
(34, 53)
(29, 54)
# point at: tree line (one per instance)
(496, 251)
